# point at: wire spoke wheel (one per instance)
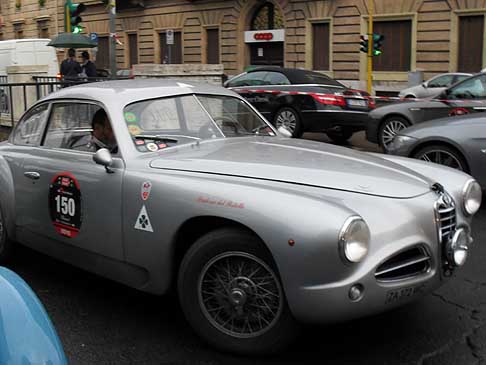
(441, 157)
(390, 130)
(240, 295)
(287, 119)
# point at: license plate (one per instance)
(393, 296)
(357, 102)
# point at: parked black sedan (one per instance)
(462, 98)
(458, 142)
(302, 101)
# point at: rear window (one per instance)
(309, 77)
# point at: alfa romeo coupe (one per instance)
(257, 232)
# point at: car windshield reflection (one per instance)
(160, 123)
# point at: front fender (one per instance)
(27, 336)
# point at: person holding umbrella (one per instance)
(70, 68)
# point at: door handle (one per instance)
(32, 175)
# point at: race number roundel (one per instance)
(65, 204)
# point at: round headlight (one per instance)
(458, 247)
(354, 239)
(472, 196)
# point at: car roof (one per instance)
(129, 91)
(295, 75)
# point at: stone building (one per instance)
(431, 35)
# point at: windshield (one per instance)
(160, 123)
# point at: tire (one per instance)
(389, 128)
(6, 246)
(410, 97)
(290, 119)
(209, 311)
(443, 155)
(340, 137)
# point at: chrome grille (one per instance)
(446, 217)
(406, 264)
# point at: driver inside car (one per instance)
(101, 137)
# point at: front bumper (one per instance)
(420, 228)
(320, 120)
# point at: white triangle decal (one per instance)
(143, 221)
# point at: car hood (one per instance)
(297, 162)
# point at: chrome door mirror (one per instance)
(103, 157)
(284, 132)
(424, 84)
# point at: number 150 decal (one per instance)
(65, 204)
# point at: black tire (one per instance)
(448, 156)
(202, 259)
(389, 128)
(290, 119)
(340, 137)
(6, 245)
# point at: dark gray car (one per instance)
(458, 142)
(468, 96)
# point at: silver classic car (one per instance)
(159, 184)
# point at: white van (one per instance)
(23, 52)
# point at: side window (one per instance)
(441, 81)
(474, 88)
(460, 78)
(249, 79)
(276, 78)
(30, 128)
(69, 124)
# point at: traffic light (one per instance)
(377, 44)
(364, 43)
(72, 18)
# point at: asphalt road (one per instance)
(101, 322)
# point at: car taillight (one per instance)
(371, 103)
(329, 99)
(59, 76)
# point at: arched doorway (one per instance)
(265, 38)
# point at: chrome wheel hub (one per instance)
(443, 158)
(391, 129)
(240, 295)
(287, 119)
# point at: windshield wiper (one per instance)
(157, 137)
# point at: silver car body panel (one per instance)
(279, 189)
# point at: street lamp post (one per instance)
(112, 11)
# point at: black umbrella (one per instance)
(72, 40)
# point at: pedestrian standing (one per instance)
(70, 68)
(88, 67)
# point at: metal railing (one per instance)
(43, 86)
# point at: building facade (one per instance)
(431, 35)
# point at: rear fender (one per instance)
(7, 196)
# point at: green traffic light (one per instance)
(77, 29)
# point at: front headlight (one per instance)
(354, 239)
(472, 196)
(400, 141)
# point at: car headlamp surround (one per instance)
(471, 197)
(354, 239)
(401, 140)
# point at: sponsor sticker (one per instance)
(65, 204)
(130, 117)
(143, 221)
(152, 147)
(146, 188)
(134, 130)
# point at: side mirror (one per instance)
(424, 85)
(103, 157)
(284, 132)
